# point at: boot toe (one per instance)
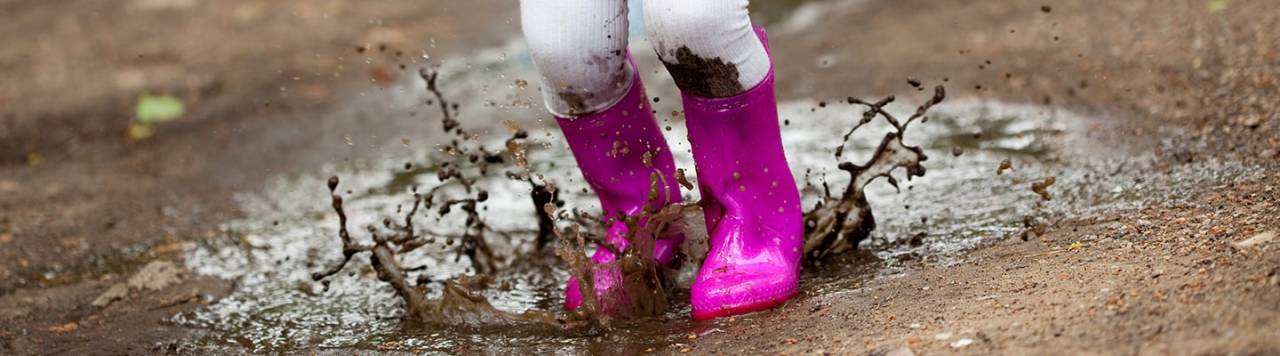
(608, 286)
(734, 290)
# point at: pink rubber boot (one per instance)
(610, 146)
(751, 203)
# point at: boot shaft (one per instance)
(619, 149)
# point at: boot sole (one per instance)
(740, 309)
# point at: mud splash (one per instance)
(837, 225)
(460, 303)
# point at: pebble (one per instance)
(1258, 239)
(905, 351)
(116, 292)
(8, 186)
(1251, 121)
(65, 328)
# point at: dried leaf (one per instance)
(1076, 246)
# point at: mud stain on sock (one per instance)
(703, 77)
(577, 102)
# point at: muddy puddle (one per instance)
(983, 159)
(958, 205)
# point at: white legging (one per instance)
(580, 48)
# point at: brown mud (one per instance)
(702, 77)
(1188, 82)
(837, 225)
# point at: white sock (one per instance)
(580, 47)
(708, 46)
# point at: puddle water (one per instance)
(960, 203)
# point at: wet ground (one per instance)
(1160, 169)
(960, 204)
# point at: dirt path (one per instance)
(1166, 280)
(1197, 77)
(82, 208)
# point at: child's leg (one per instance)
(599, 103)
(708, 45)
(749, 197)
(580, 48)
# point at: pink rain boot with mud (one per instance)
(610, 147)
(751, 203)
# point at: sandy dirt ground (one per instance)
(83, 206)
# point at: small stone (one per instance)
(8, 186)
(116, 292)
(905, 351)
(1256, 240)
(65, 328)
(157, 275)
(961, 343)
(1251, 121)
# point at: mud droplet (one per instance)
(1042, 187)
(1031, 227)
(684, 181)
(1006, 164)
